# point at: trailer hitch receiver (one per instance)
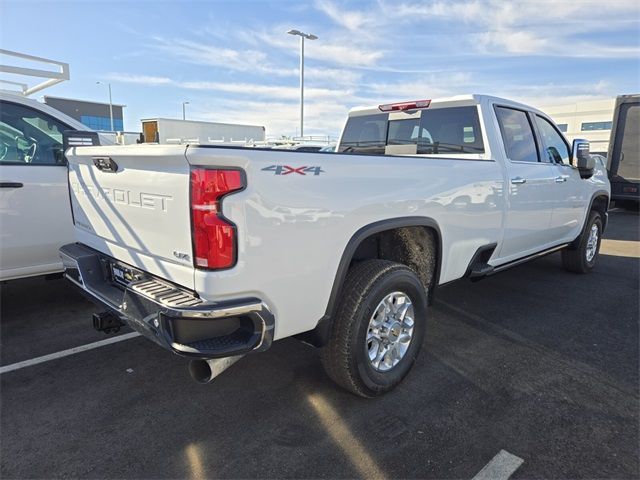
(107, 322)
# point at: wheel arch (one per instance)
(320, 335)
(600, 203)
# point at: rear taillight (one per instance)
(214, 237)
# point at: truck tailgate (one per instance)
(132, 203)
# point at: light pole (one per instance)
(302, 36)
(184, 115)
(110, 104)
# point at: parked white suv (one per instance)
(213, 252)
(35, 212)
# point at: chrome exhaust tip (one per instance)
(204, 371)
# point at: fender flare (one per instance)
(320, 335)
(596, 194)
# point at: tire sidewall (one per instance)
(399, 280)
(593, 219)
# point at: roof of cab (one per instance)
(457, 100)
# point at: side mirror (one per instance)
(581, 158)
(58, 155)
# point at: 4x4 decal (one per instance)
(286, 170)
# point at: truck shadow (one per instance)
(627, 226)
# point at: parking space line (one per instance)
(66, 353)
(501, 467)
(620, 248)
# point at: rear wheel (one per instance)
(379, 328)
(583, 258)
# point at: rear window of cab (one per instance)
(434, 131)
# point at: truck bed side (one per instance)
(294, 228)
(294, 218)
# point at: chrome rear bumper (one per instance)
(173, 317)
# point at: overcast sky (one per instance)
(233, 61)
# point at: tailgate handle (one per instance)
(105, 164)
(11, 185)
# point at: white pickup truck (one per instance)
(35, 210)
(35, 214)
(213, 252)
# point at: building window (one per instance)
(101, 123)
(596, 126)
(562, 127)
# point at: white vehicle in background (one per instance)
(174, 131)
(213, 252)
(35, 213)
(35, 208)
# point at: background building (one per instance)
(92, 114)
(590, 120)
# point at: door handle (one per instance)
(518, 180)
(11, 185)
(561, 179)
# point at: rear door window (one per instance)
(517, 135)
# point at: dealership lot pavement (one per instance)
(537, 362)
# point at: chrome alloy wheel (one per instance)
(390, 331)
(592, 243)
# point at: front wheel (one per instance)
(583, 258)
(379, 328)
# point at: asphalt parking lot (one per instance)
(535, 361)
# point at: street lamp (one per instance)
(110, 104)
(184, 115)
(302, 36)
